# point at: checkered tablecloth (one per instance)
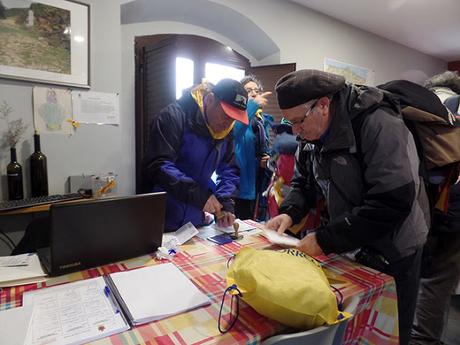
(375, 321)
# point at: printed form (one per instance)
(73, 313)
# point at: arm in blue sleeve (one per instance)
(228, 178)
(164, 145)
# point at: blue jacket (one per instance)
(181, 158)
(250, 145)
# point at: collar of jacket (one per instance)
(198, 93)
(190, 105)
(352, 101)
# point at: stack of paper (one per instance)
(73, 313)
(14, 324)
(20, 270)
(156, 292)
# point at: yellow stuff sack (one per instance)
(287, 286)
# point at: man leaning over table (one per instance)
(189, 140)
(369, 178)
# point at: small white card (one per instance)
(280, 239)
(181, 235)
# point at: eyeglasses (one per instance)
(308, 113)
(249, 90)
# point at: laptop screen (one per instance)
(96, 232)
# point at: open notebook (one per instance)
(155, 292)
(86, 310)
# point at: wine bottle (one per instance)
(38, 170)
(14, 172)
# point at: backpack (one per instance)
(436, 134)
(434, 127)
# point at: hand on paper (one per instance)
(212, 205)
(280, 223)
(226, 219)
(310, 246)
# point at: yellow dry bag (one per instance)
(287, 286)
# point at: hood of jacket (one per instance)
(349, 104)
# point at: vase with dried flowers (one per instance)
(14, 132)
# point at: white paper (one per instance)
(280, 239)
(20, 275)
(15, 260)
(73, 313)
(155, 292)
(14, 324)
(52, 110)
(96, 108)
(181, 235)
(229, 229)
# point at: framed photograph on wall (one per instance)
(45, 41)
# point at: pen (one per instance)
(107, 294)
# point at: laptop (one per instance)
(100, 231)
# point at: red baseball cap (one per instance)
(233, 99)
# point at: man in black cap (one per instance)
(357, 152)
(189, 141)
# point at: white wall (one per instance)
(303, 36)
(93, 148)
(306, 37)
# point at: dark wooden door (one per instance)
(268, 76)
(156, 80)
(154, 90)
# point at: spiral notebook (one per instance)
(155, 292)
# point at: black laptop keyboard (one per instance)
(41, 200)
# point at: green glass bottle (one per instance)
(38, 170)
(14, 172)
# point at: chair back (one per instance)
(323, 335)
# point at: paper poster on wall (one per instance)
(52, 110)
(96, 108)
(352, 73)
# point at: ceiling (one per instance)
(432, 27)
(236, 27)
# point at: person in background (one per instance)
(367, 174)
(441, 265)
(281, 163)
(189, 140)
(251, 150)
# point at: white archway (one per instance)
(207, 14)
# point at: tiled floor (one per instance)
(452, 334)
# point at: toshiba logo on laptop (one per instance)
(73, 264)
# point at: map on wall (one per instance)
(52, 110)
(352, 73)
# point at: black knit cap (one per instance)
(299, 87)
